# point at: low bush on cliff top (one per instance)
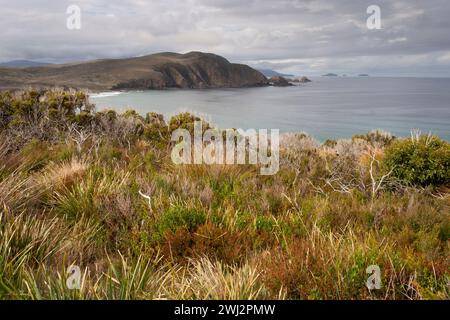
(421, 161)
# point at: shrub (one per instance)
(229, 247)
(69, 194)
(264, 223)
(377, 136)
(83, 118)
(130, 113)
(6, 109)
(42, 114)
(153, 117)
(108, 116)
(422, 161)
(156, 131)
(179, 217)
(186, 121)
(330, 143)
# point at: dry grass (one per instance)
(140, 227)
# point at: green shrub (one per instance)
(186, 121)
(424, 161)
(264, 223)
(83, 118)
(179, 217)
(156, 132)
(6, 109)
(130, 113)
(153, 117)
(107, 115)
(44, 111)
(109, 152)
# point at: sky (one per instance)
(303, 37)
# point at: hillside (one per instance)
(156, 71)
(22, 64)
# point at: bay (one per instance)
(325, 108)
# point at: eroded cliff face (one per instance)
(157, 71)
(197, 70)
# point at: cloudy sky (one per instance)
(295, 36)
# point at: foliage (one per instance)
(99, 190)
(423, 161)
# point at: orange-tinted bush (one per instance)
(227, 246)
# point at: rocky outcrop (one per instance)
(157, 71)
(304, 80)
(279, 81)
(301, 80)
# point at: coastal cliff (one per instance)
(156, 71)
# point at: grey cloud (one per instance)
(296, 36)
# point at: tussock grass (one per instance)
(98, 190)
(206, 279)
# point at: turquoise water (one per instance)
(325, 108)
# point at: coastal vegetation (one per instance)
(98, 189)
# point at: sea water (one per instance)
(337, 107)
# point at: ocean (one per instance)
(327, 108)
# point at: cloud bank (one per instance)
(296, 36)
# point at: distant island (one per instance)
(155, 71)
(272, 73)
(363, 75)
(330, 75)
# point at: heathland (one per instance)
(98, 189)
